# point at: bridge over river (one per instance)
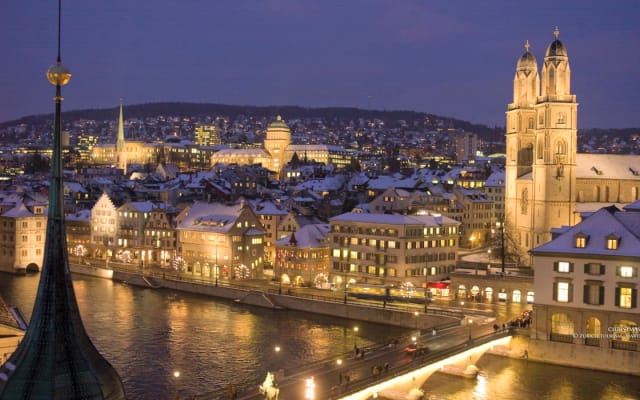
(384, 367)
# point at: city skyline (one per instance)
(440, 58)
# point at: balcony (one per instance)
(561, 337)
(624, 345)
(592, 342)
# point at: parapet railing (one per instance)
(360, 384)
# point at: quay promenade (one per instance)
(263, 293)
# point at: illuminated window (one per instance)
(581, 240)
(624, 271)
(562, 292)
(612, 242)
(563, 266)
(626, 297)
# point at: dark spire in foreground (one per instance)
(56, 359)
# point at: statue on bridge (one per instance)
(269, 387)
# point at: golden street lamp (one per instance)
(355, 336)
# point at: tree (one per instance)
(504, 241)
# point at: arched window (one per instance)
(516, 297)
(561, 147)
(592, 329)
(530, 297)
(625, 335)
(561, 328)
(488, 294)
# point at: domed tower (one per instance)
(556, 73)
(520, 137)
(526, 82)
(277, 140)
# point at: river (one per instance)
(149, 334)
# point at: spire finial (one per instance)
(527, 45)
(556, 32)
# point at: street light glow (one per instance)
(309, 391)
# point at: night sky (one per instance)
(453, 58)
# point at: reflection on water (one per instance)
(515, 379)
(148, 334)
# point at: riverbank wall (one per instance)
(274, 300)
(570, 355)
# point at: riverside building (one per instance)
(399, 250)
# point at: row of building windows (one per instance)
(25, 252)
(622, 271)
(364, 231)
(594, 294)
(25, 224)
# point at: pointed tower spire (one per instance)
(121, 155)
(56, 359)
(120, 138)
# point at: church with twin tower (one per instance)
(548, 184)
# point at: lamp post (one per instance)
(470, 322)
(426, 284)
(502, 249)
(355, 336)
(415, 313)
(344, 283)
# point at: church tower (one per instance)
(541, 141)
(121, 155)
(56, 358)
(556, 146)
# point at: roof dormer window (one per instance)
(613, 242)
(581, 240)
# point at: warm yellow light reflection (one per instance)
(310, 389)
